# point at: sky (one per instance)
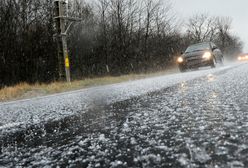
(236, 9)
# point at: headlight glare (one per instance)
(180, 60)
(207, 55)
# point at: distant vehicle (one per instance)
(200, 55)
(243, 57)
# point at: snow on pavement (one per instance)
(191, 123)
(55, 107)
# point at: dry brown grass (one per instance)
(13, 92)
(24, 90)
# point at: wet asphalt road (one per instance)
(197, 123)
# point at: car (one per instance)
(200, 55)
(243, 57)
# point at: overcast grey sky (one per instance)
(236, 9)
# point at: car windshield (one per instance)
(198, 47)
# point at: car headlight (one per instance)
(180, 60)
(207, 55)
(239, 58)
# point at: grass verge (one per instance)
(24, 90)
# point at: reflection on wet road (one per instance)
(197, 123)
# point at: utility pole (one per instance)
(63, 24)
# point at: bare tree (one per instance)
(223, 26)
(202, 27)
(26, 33)
(230, 44)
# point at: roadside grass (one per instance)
(25, 90)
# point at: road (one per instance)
(194, 119)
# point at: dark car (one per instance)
(200, 55)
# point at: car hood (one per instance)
(194, 54)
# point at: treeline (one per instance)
(115, 37)
(122, 36)
(27, 49)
